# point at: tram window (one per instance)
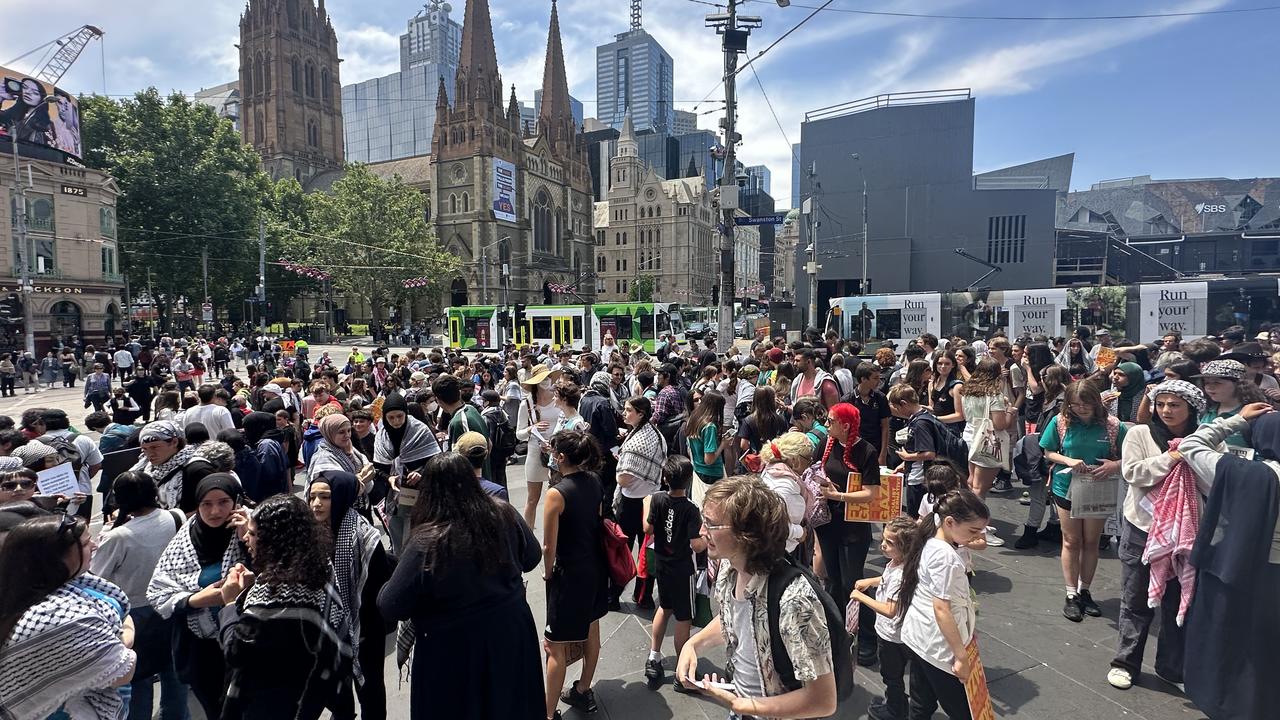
(623, 323)
(542, 328)
(888, 324)
(577, 328)
(663, 321)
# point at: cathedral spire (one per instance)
(478, 61)
(513, 109)
(556, 116)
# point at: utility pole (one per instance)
(810, 209)
(204, 269)
(735, 30)
(24, 290)
(262, 274)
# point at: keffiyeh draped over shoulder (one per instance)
(177, 577)
(168, 474)
(642, 454)
(418, 443)
(66, 652)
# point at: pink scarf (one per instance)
(1174, 521)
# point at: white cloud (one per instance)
(367, 52)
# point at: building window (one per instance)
(311, 79)
(295, 74)
(466, 202)
(453, 203)
(258, 129)
(108, 262)
(324, 83)
(39, 212)
(1006, 239)
(107, 221)
(266, 73)
(258, 69)
(542, 222)
(624, 239)
(600, 263)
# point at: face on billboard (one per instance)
(45, 130)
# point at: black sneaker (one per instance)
(1104, 543)
(1028, 540)
(584, 701)
(881, 711)
(1001, 485)
(653, 671)
(1087, 604)
(615, 605)
(1070, 610)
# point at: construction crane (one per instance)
(60, 53)
(635, 14)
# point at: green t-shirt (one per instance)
(1084, 442)
(469, 418)
(707, 440)
(1211, 414)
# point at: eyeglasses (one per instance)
(12, 485)
(69, 518)
(708, 525)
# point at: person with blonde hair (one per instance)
(785, 459)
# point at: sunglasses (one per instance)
(11, 485)
(69, 518)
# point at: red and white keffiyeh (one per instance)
(1174, 520)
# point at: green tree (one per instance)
(641, 289)
(371, 235)
(187, 184)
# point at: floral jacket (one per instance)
(802, 624)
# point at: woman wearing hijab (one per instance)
(403, 445)
(268, 443)
(336, 451)
(186, 581)
(361, 567)
(1128, 382)
(63, 635)
(284, 632)
(460, 582)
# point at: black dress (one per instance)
(944, 404)
(845, 544)
(577, 593)
(476, 655)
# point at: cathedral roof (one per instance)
(555, 87)
(684, 190)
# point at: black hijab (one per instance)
(395, 401)
(256, 425)
(211, 542)
(343, 490)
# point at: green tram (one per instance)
(479, 327)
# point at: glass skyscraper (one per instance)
(393, 117)
(634, 73)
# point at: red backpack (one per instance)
(617, 553)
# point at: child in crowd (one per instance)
(918, 441)
(675, 524)
(897, 541)
(936, 606)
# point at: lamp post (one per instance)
(865, 244)
(25, 289)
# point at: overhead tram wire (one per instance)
(1037, 18)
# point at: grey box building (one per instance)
(634, 73)
(575, 107)
(916, 151)
(393, 117)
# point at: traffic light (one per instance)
(520, 333)
(715, 295)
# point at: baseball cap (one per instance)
(775, 355)
(471, 444)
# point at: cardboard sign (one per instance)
(58, 480)
(887, 506)
(975, 688)
(288, 346)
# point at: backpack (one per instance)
(1028, 460)
(948, 446)
(841, 654)
(67, 450)
(503, 436)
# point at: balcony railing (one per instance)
(39, 224)
(47, 274)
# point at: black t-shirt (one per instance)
(675, 521)
(864, 459)
(873, 412)
(756, 436)
(921, 438)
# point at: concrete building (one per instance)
(224, 100)
(755, 202)
(634, 74)
(916, 153)
(685, 122)
(291, 95)
(500, 197)
(651, 226)
(72, 257)
(393, 117)
(575, 107)
(528, 120)
(746, 263)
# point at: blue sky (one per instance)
(1173, 98)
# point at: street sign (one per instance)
(760, 220)
(206, 311)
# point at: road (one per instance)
(1039, 665)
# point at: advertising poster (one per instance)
(1174, 307)
(899, 318)
(504, 190)
(981, 314)
(45, 130)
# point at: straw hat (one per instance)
(539, 373)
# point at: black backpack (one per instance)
(502, 435)
(67, 450)
(841, 653)
(948, 446)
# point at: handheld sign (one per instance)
(886, 507)
(58, 480)
(975, 687)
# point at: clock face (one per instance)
(459, 173)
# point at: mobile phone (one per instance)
(717, 685)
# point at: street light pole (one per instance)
(865, 238)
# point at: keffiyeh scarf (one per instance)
(177, 577)
(642, 455)
(66, 652)
(1175, 518)
(329, 458)
(168, 475)
(353, 547)
(419, 443)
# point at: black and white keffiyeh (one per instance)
(168, 475)
(642, 454)
(177, 576)
(353, 547)
(328, 458)
(65, 651)
(418, 443)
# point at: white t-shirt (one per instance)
(215, 418)
(942, 576)
(890, 583)
(747, 681)
(123, 358)
(89, 455)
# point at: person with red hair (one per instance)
(852, 467)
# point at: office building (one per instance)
(224, 100)
(634, 73)
(759, 178)
(795, 175)
(916, 153)
(685, 122)
(528, 120)
(393, 117)
(756, 202)
(574, 104)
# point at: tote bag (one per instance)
(988, 448)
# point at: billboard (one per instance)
(504, 190)
(45, 130)
(1174, 307)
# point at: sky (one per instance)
(1167, 97)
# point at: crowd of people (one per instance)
(273, 522)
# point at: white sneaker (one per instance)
(1119, 678)
(993, 540)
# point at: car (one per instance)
(697, 330)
